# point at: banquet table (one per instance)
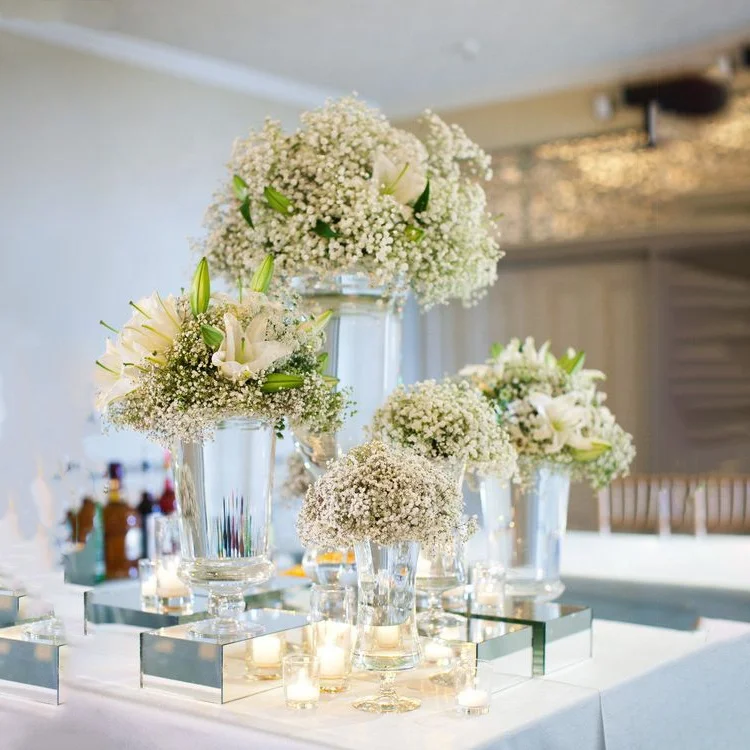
(644, 688)
(658, 580)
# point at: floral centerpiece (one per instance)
(180, 365)
(386, 501)
(446, 421)
(553, 411)
(383, 494)
(348, 192)
(215, 378)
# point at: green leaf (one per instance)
(572, 365)
(322, 361)
(414, 234)
(598, 448)
(245, 211)
(280, 381)
(212, 336)
(496, 350)
(330, 380)
(324, 230)
(239, 187)
(262, 277)
(200, 292)
(318, 323)
(423, 201)
(277, 201)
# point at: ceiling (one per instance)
(409, 54)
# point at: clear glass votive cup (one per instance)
(166, 536)
(473, 680)
(332, 619)
(301, 681)
(147, 578)
(264, 655)
(488, 587)
(172, 593)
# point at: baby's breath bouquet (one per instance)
(348, 192)
(449, 421)
(383, 494)
(183, 364)
(553, 411)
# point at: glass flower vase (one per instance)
(224, 488)
(531, 544)
(363, 344)
(495, 495)
(387, 640)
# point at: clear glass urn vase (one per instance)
(224, 488)
(526, 527)
(387, 639)
(363, 343)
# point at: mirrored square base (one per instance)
(226, 669)
(121, 603)
(561, 632)
(30, 668)
(11, 607)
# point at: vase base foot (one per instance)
(538, 591)
(220, 629)
(392, 704)
(433, 623)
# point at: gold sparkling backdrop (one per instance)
(614, 184)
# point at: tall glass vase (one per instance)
(495, 495)
(224, 488)
(363, 343)
(530, 546)
(387, 638)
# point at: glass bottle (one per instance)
(123, 535)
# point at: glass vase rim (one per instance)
(330, 587)
(299, 659)
(311, 283)
(244, 421)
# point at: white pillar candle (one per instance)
(169, 585)
(387, 636)
(302, 690)
(473, 698)
(437, 651)
(332, 661)
(489, 598)
(148, 587)
(267, 651)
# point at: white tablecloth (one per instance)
(644, 688)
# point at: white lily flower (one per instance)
(561, 419)
(153, 327)
(245, 353)
(403, 181)
(115, 376)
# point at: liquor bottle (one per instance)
(123, 535)
(167, 501)
(148, 508)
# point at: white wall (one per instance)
(105, 171)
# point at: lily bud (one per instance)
(280, 381)
(598, 448)
(262, 277)
(316, 325)
(200, 292)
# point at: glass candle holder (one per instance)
(264, 655)
(473, 681)
(332, 618)
(147, 577)
(488, 587)
(166, 536)
(172, 593)
(301, 681)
